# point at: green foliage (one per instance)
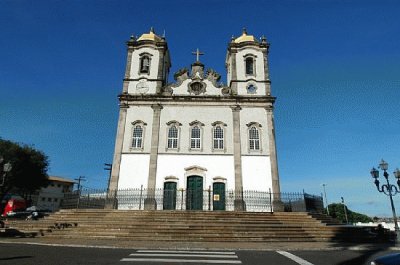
(336, 210)
(29, 168)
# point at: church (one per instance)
(196, 140)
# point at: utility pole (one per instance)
(345, 211)
(81, 178)
(108, 167)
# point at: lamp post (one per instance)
(345, 210)
(388, 189)
(326, 200)
(4, 169)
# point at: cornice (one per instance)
(198, 100)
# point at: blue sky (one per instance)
(335, 70)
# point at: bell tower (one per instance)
(247, 66)
(148, 64)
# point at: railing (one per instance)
(180, 199)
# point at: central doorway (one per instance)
(194, 193)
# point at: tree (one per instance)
(28, 172)
(336, 210)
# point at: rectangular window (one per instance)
(173, 137)
(137, 137)
(218, 138)
(195, 141)
(254, 139)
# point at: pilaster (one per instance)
(273, 157)
(119, 141)
(160, 74)
(150, 202)
(239, 204)
(233, 83)
(127, 70)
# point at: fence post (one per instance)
(140, 197)
(270, 201)
(209, 198)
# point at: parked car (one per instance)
(390, 259)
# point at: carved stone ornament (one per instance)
(213, 77)
(181, 75)
(197, 87)
(226, 91)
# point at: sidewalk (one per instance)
(272, 246)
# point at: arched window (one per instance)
(145, 64)
(218, 136)
(254, 138)
(195, 137)
(137, 137)
(172, 137)
(249, 66)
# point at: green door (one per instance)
(169, 200)
(219, 196)
(194, 193)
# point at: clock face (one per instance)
(142, 87)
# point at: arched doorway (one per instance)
(194, 193)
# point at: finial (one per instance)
(163, 35)
(132, 39)
(151, 29)
(244, 31)
(263, 39)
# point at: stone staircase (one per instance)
(187, 226)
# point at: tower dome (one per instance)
(245, 38)
(150, 36)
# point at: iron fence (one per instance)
(180, 199)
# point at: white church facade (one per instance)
(196, 134)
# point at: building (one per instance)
(50, 197)
(196, 134)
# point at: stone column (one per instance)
(239, 203)
(273, 158)
(119, 142)
(150, 201)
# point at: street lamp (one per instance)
(326, 200)
(5, 168)
(388, 189)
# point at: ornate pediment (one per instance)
(196, 82)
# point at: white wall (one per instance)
(187, 114)
(259, 115)
(145, 114)
(256, 173)
(135, 168)
(134, 171)
(216, 165)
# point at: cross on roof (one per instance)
(198, 53)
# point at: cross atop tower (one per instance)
(197, 53)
